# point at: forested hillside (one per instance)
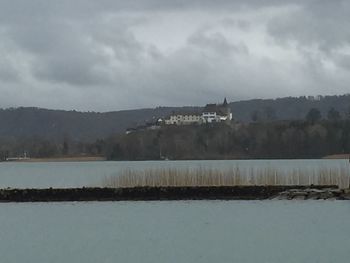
(289, 108)
(80, 126)
(88, 126)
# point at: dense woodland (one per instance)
(279, 139)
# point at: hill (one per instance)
(80, 126)
(289, 108)
(88, 126)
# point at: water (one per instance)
(78, 174)
(191, 232)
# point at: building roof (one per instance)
(196, 113)
(210, 108)
(220, 109)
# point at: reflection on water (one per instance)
(191, 232)
(78, 174)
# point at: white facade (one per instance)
(183, 119)
(212, 113)
(226, 117)
(209, 117)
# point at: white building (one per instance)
(210, 114)
(217, 113)
(183, 119)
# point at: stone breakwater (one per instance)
(314, 194)
(174, 193)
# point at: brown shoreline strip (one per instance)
(173, 193)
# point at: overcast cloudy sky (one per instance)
(116, 54)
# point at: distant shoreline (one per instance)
(102, 158)
(337, 156)
(63, 159)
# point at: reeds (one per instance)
(233, 177)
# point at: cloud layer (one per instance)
(112, 55)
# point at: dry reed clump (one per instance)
(234, 177)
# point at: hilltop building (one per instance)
(217, 113)
(184, 118)
(211, 113)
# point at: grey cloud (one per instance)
(324, 24)
(320, 30)
(343, 61)
(240, 23)
(201, 75)
(67, 57)
(215, 41)
(76, 54)
(22, 10)
(86, 54)
(8, 74)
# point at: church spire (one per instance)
(225, 102)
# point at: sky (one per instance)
(114, 54)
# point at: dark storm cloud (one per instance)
(107, 54)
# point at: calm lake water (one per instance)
(191, 232)
(78, 174)
(181, 231)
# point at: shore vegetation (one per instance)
(174, 177)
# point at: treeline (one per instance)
(315, 136)
(37, 147)
(278, 139)
(281, 139)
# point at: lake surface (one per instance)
(186, 231)
(78, 174)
